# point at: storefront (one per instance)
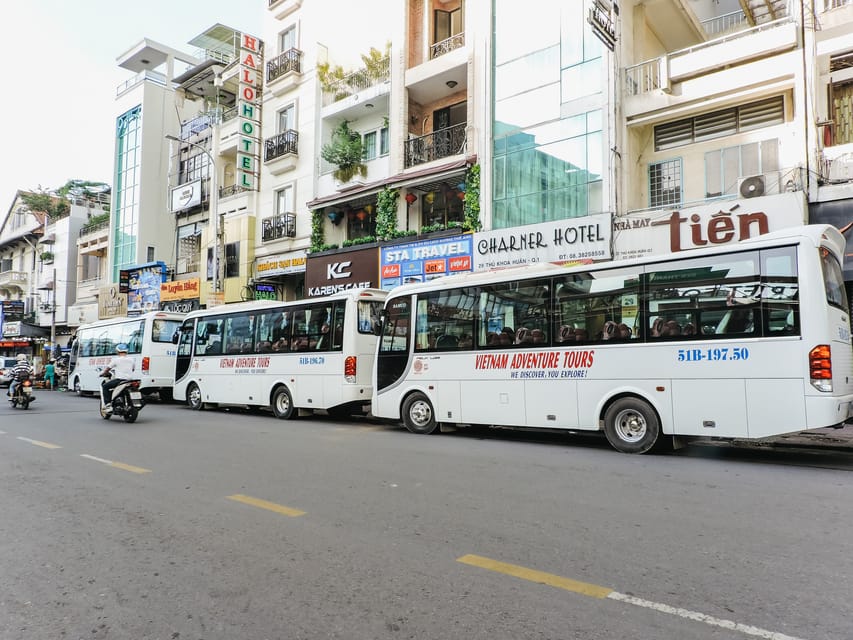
(280, 276)
(328, 273)
(181, 296)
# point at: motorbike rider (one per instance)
(20, 372)
(122, 367)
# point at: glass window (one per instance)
(239, 333)
(833, 279)
(384, 147)
(445, 320)
(369, 312)
(208, 339)
(287, 39)
(395, 328)
(232, 260)
(287, 118)
(514, 313)
(665, 183)
(369, 146)
(597, 306)
(273, 331)
(284, 202)
(163, 330)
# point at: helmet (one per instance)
(22, 357)
(121, 348)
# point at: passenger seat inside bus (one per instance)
(447, 341)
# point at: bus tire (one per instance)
(631, 426)
(282, 403)
(418, 414)
(194, 399)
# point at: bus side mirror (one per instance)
(377, 328)
(175, 337)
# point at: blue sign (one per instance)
(143, 287)
(425, 260)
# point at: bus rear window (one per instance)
(833, 280)
(163, 330)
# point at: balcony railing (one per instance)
(281, 144)
(231, 190)
(276, 227)
(438, 144)
(447, 45)
(644, 77)
(92, 228)
(13, 277)
(357, 81)
(290, 60)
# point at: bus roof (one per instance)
(816, 234)
(260, 305)
(166, 315)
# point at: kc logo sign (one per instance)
(337, 270)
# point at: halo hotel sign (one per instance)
(249, 112)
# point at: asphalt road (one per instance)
(223, 524)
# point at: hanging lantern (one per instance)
(430, 197)
(368, 208)
(410, 198)
(460, 186)
(335, 217)
(361, 215)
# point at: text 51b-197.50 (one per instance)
(713, 354)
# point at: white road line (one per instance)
(86, 455)
(701, 617)
(39, 443)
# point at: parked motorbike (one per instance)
(126, 401)
(23, 395)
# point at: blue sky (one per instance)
(61, 76)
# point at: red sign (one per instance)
(391, 271)
(462, 263)
(434, 266)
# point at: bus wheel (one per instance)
(631, 426)
(282, 404)
(194, 399)
(77, 389)
(418, 415)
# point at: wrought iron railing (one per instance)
(281, 144)
(231, 190)
(357, 81)
(447, 45)
(290, 60)
(276, 227)
(92, 228)
(438, 144)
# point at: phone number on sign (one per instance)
(715, 354)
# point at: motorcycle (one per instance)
(126, 401)
(23, 395)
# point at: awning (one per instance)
(427, 177)
(48, 239)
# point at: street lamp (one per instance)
(212, 205)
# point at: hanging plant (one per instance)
(471, 203)
(386, 213)
(346, 152)
(318, 232)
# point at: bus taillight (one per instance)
(820, 367)
(350, 368)
(146, 364)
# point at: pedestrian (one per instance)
(49, 374)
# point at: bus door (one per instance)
(184, 338)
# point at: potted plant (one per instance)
(46, 256)
(346, 152)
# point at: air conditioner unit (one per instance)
(764, 184)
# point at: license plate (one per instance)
(28, 391)
(135, 395)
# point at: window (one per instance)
(284, 202)
(232, 260)
(189, 248)
(445, 320)
(718, 124)
(665, 183)
(514, 314)
(287, 119)
(383, 141)
(369, 146)
(597, 306)
(163, 330)
(287, 39)
(724, 166)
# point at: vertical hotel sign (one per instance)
(249, 112)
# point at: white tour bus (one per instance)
(149, 341)
(742, 341)
(290, 357)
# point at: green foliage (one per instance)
(386, 213)
(46, 256)
(345, 151)
(356, 241)
(429, 228)
(471, 203)
(318, 233)
(96, 221)
(44, 202)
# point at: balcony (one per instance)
(281, 152)
(283, 8)
(284, 72)
(13, 279)
(357, 82)
(278, 227)
(436, 145)
(447, 45)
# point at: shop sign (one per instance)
(11, 329)
(180, 306)
(142, 285)
(179, 290)
(186, 195)
(112, 302)
(282, 264)
(335, 272)
(674, 230)
(424, 260)
(265, 292)
(13, 310)
(562, 241)
(249, 112)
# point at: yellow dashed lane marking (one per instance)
(541, 577)
(39, 443)
(117, 465)
(269, 506)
